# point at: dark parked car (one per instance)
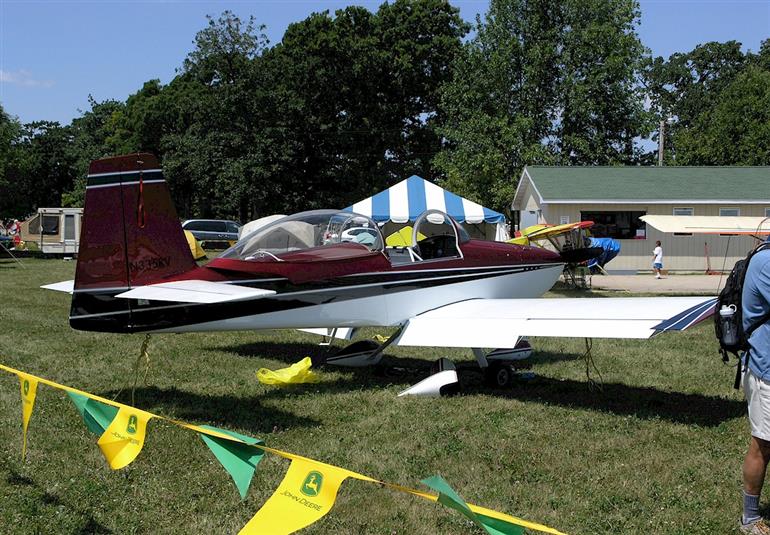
(212, 230)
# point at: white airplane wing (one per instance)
(500, 322)
(194, 291)
(696, 224)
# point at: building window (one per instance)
(729, 212)
(767, 212)
(620, 225)
(563, 220)
(683, 211)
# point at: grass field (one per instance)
(658, 450)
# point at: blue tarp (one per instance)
(409, 198)
(611, 250)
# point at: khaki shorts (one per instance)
(757, 393)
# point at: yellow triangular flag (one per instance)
(28, 384)
(124, 437)
(306, 494)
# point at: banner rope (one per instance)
(232, 438)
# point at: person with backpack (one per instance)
(755, 309)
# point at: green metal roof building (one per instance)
(615, 197)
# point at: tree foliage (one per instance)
(349, 102)
(715, 98)
(542, 82)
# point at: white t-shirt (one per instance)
(658, 252)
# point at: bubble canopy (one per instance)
(307, 230)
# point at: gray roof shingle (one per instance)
(651, 183)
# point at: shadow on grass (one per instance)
(224, 411)
(615, 398)
(625, 400)
(14, 478)
(289, 352)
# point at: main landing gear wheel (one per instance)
(499, 375)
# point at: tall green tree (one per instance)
(715, 100)
(358, 95)
(542, 82)
(13, 198)
(209, 154)
(736, 129)
(501, 101)
(93, 136)
(49, 163)
(600, 99)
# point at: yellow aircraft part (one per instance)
(524, 238)
(543, 232)
(555, 230)
(402, 238)
(195, 246)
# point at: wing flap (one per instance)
(195, 291)
(500, 322)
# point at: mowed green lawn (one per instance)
(658, 450)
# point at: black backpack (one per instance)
(728, 326)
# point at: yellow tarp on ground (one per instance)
(195, 246)
(297, 373)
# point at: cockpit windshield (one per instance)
(306, 230)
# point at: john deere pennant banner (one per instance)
(124, 438)
(240, 459)
(307, 493)
(96, 415)
(447, 496)
(28, 384)
(121, 430)
(308, 490)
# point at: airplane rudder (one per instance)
(131, 234)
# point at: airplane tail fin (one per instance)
(131, 235)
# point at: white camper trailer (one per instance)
(54, 230)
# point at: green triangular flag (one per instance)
(97, 415)
(238, 459)
(447, 496)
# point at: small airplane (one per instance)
(330, 269)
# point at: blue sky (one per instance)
(54, 53)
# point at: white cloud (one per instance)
(23, 78)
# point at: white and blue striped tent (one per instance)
(405, 201)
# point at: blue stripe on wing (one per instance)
(689, 317)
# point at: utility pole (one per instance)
(661, 141)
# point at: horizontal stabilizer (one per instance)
(500, 322)
(195, 291)
(63, 286)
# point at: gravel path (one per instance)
(668, 284)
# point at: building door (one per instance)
(529, 218)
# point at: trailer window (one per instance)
(34, 225)
(50, 225)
